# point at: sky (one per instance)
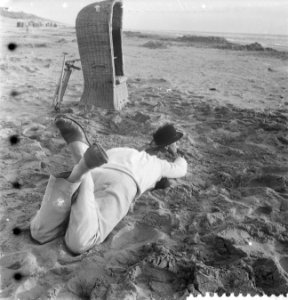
(226, 16)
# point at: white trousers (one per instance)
(103, 199)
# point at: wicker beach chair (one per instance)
(99, 37)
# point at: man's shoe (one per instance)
(71, 130)
(95, 156)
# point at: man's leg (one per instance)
(104, 199)
(80, 234)
(48, 222)
(82, 230)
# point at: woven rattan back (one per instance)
(99, 37)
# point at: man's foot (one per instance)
(95, 156)
(71, 130)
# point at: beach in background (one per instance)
(278, 42)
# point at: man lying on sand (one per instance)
(92, 199)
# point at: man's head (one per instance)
(166, 137)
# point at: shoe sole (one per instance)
(64, 117)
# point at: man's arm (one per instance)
(175, 169)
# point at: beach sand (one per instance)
(222, 228)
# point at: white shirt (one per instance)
(145, 169)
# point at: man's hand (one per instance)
(163, 183)
(172, 149)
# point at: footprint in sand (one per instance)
(266, 210)
(13, 261)
(24, 262)
(164, 221)
(130, 237)
(34, 131)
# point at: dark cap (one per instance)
(166, 135)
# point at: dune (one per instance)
(221, 229)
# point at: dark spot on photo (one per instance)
(16, 185)
(16, 230)
(18, 276)
(12, 46)
(14, 93)
(14, 139)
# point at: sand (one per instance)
(222, 228)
